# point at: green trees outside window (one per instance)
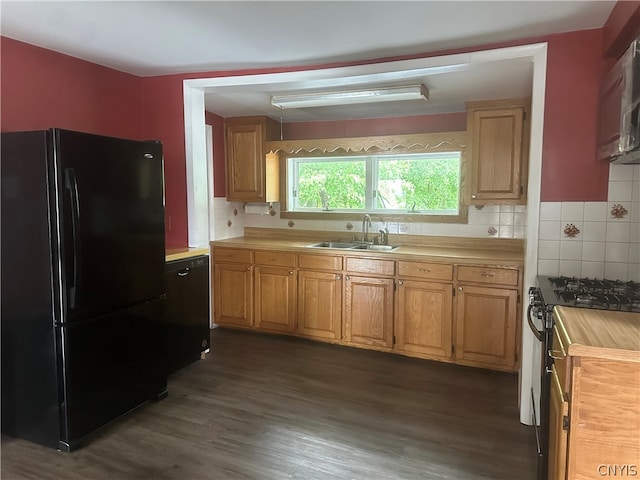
(418, 183)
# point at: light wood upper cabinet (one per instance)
(486, 321)
(424, 315)
(251, 174)
(369, 311)
(498, 136)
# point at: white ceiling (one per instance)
(156, 38)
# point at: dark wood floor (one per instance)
(266, 407)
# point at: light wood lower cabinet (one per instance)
(233, 294)
(486, 326)
(320, 305)
(424, 318)
(275, 299)
(466, 314)
(558, 424)
(368, 312)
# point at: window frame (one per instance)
(378, 145)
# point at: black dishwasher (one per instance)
(187, 311)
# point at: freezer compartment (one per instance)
(187, 334)
(112, 365)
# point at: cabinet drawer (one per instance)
(434, 271)
(279, 259)
(560, 360)
(501, 276)
(232, 255)
(371, 265)
(320, 262)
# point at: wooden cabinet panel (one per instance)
(498, 143)
(432, 271)
(320, 305)
(424, 315)
(275, 299)
(232, 255)
(371, 266)
(604, 412)
(319, 262)
(493, 276)
(233, 295)
(561, 362)
(486, 326)
(246, 159)
(369, 311)
(558, 412)
(276, 259)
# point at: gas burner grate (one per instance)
(596, 293)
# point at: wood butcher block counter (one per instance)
(179, 253)
(600, 333)
(595, 395)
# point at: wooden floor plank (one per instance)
(269, 407)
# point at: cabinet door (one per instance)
(486, 320)
(369, 311)
(275, 299)
(245, 162)
(424, 318)
(233, 294)
(320, 305)
(497, 154)
(558, 410)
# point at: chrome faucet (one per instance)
(384, 236)
(366, 223)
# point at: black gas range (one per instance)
(598, 294)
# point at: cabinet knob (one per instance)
(460, 288)
(272, 259)
(400, 282)
(348, 277)
(424, 270)
(486, 275)
(290, 272)
(474, 196)
(248, 269)
(338, 276)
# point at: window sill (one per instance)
(379, 217)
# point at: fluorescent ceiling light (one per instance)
(370, 95)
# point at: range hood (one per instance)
(619, 122)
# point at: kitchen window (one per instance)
(409, 178)
(422, 183)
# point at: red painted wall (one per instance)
(571, 170)
(41, 89)
(217, 125)
(623, 25)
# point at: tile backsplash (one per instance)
(586, 239)
(594, 239)
(503, 221)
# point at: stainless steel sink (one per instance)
(380, 248)
(342, 245)
(353, 246)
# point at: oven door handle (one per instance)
(538, 333)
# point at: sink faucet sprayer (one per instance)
(366, 223)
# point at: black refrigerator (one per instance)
(82, 285)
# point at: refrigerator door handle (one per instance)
(71, 184)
